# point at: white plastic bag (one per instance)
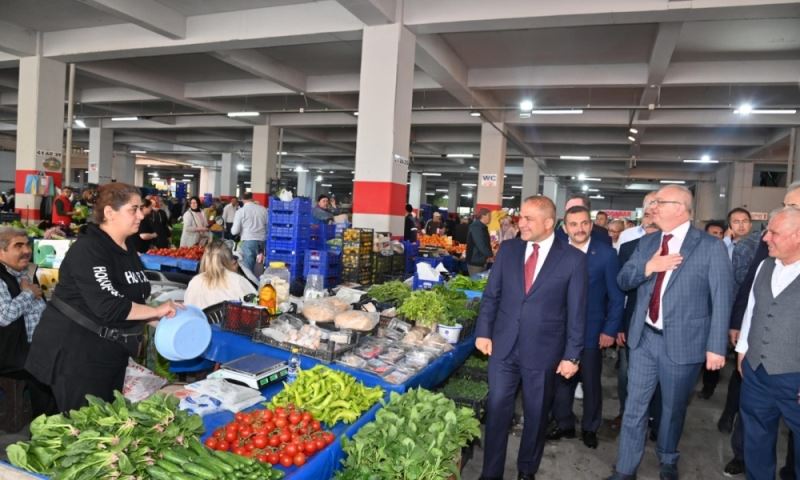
(140, 382)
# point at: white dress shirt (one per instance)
(675, 243)
(544, 248)
(631, 234)
(729, 244)
(782, 277)
(584, 248)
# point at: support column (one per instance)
(264, 164)
(530, 178)
(122, 168)
(416, 191)
(229, 174)
(740, 186)
(492, 166)
(209, 181)
(384, 128)
(794, 154)
(562, 201)
(101, 154)
(40, 127)
(551, 190)
(452, 197)
(138, 176)
(306, 186)
(706, 200)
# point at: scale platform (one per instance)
(254, 371)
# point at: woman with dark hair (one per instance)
(95, 318)
(147, 232)
(195, 225)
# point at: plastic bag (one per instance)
(140, 382)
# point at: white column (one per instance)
(550, 189)
(706, 203)
(416, 191)
(264, 164)
(530, 177)
(122, 168)
(229, 174)
(492, 166)
(794, 154)
(306, 186)
(452, 196)
(740, 186)
(40, 127)
(138, 176)
(384, 127)
(562, 201)
(208, 181)
(101, 154)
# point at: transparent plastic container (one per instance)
(278, 276)
(294, 366)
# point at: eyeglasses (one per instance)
(793, 205)
(662, 202)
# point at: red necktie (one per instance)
(655, 300)
(530, 267)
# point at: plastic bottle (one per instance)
(268, 298)
(294, 366)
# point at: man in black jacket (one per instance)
(410, 228)
(479, 247)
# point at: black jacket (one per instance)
(13, 337)
(479, 248)
(410, 229)
(740, 304)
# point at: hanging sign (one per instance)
(488, 180)
(49, 160)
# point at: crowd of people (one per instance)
(674, 300)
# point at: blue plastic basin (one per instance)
(185, 336)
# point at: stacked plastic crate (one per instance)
(288, 233)
(357, 255)
(324, 257)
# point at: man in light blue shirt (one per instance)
(250, 223)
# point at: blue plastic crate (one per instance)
(297, 230)
(323, 257)
(295, 204)
(411, 249)
(418, 284)
(188, 265)
(296, 245)
(323, 231)
(286, 218)
(322, 269)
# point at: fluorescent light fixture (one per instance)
(330, 171)
(153, 174)
(509, 198)
(583, 178)
(240, 167)
(472, 167)
(352, 172)
(243, 114)
(442, 190)
(188, 175)
(597, 197)
(633, 130)
(140, 152)
(702, 160)
(431, 174)
(466, 195)
(592, 189)
(124, 119)
(459, 155)
(706, 158)
(571, 111)
(248, 183)
(524, 114)
(575, 157)
(300, 169)
(516, 187)
(744, 109)
(85, 150)
(282, 153)
(767, 111)
(326, 185)
(318, 178)
(526, 105)
(585, 188)
(80, 123)
(474, 113)
(355, 114)
(429, 194)
(673, 182)
(469, 184)
(632, 139)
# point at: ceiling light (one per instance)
(459, 155)
(526, 105)
(508, 198)
(632, 139)
(442, 190)
(248, 183)
(331, 172)
(140, 152)
(466, 195)
(585, 188)
(571, 111)
(472, 167)
(592, 190)
(675, 182)
(154, 174)
(597, 197)
(85, 150)
(80, 123)
(744, 109)
(429, 194)
(703, 159)
(243, 114)
(189, 175)
(124, 119)
(592, 179)
(575, 157)
(445, 196)
(516, 187)
(469, 184)
(474, 113)
(524, 114)
(318, 178)
(633, 130)
(355, 114)
(300, 169)
(326, 185)
(431, 174)
(768, 111)
(240, 167)
(281, 153)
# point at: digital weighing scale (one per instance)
(254, 371)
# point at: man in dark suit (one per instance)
(605, 303)
(531, 325)
(599, 234)
(685, 292)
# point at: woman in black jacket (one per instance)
(95, 318)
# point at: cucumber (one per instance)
(200, 471)
(168, 466)
(208, 464)
(183, 476)
(217, 463)
(177, 456)
(197, 447)
(158, 473)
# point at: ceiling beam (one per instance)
(16, 40)
(261, 66)
(112, 95)
(663, 47)
(320, 136)
(371, 12)
(778, 137)
(148, 14)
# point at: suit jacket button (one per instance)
(769, 315)
(763, 356)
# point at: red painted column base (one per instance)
(381, 198)
(261, 198)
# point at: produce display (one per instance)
(477, 362)
(286, 436)
(188, 253)
(439, 241)
(394, 291)
(330, 395)
(458, 308)
(198, 462)
(31, 230)
(419, 434)
(465, 389)
(426, 307)
(106, 440)
(463, 282)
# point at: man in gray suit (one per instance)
(684, 295)
(769, 347)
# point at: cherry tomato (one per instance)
(239, 417)
(274, 441)
(316, 426)
(299, 459)
(280, 411)
(307, 417)
(269, 425)
(285, 437)
(328, 437)
(262, 458)
(291, 449)
(223, 445)
(319, 443)
(246, 431)
(294, 418)
(268, 415)
(281, 422)
(260, 441)
(310, 448)
(273, 458)
(287, 461)
(239, 451)
(211, 443)
(231, 436)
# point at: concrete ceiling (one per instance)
(184, 66)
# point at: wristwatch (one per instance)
(574, 361)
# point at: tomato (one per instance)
(328, 437)
(219, 433)
(281, 422)
(231, 436)
(309, 448)
(291, 449)
(294, 418)
(316, 426)
(299, 459)
(295, 437)
(274, 441)
(246, 431)
(307, 417)
(262, 458)
(239, 450)
(240, 417)
(285, 437)
(223, 445)
(287, 461)
(268, 415)
(319, 443)
(260, 441)
(273, 458)
(280, 411)
(211, 443)
(269, 425)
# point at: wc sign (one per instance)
(489, 180)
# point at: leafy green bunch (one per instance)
(115, 440)
(426, 307)
(463, 282)
(416, 435)
(394, 291)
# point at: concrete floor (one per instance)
(704, 450)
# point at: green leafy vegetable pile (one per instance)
(465, 389)
(330, 395)
(394, 291)
(459, 308)
(417, 435)
(478, 362)
(105, 440)
(426, 307)
(463, 282)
